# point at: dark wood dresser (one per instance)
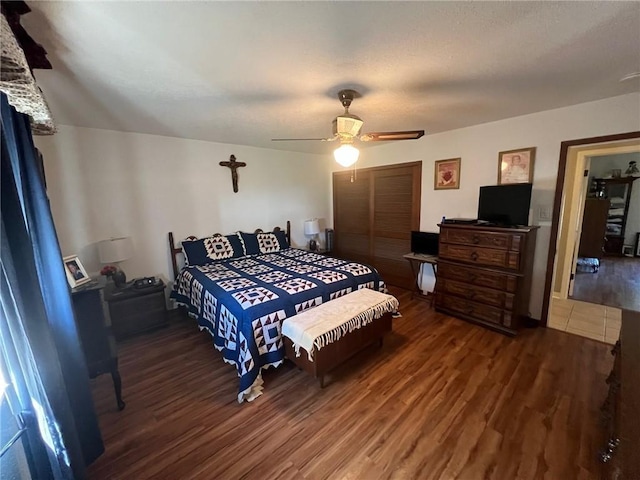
(621, 409)
(484, 274)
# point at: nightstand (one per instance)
(136, 310)
(319, 251)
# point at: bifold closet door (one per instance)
(374, 216)
(351, 213)
(396, 211)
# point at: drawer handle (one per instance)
(474, 256)
(476, 239)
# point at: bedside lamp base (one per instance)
(119, 278)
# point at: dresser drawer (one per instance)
(473, 310)
(483, 278)
(487, 296)
(500, 241)
(489, 257)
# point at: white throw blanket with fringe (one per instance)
(326, 323)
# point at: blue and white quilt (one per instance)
(242, 302)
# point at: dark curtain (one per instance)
(38, 332)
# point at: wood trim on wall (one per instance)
(557, 203)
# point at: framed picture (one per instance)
(447, 174)
(76, 274)
(516, 166)
(636, 250)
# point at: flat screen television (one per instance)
(505, 205)
(425, 242)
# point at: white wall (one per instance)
(478, 146)
(601, 167)
(105, 184)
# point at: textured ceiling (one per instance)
(246, 72)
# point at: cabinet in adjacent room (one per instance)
(618, 192)
(484, 274)
(594, 228)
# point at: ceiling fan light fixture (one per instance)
(346, 154)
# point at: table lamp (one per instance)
(116, 250)
(312, 227)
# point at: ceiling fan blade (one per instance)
(296, 139)
(384, 136)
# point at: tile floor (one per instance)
(590, 320)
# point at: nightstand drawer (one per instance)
(140, 311)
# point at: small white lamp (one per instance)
(116, 250)
(312, 228)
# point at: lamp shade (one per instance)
(311, 227)
(115, 250)
(346, 155)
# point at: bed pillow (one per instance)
(268, 242)
(211, 249)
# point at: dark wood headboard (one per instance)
(175, 251)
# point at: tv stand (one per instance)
(484, 274)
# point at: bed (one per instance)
(241, 287)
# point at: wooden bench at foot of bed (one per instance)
(337, 330)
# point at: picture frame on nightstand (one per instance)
(75, 271)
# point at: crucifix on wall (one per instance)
(233, 165)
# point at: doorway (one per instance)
(566, 232)
(611, 224)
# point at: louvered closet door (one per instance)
(388, 200)
(396, 211)
(351, 212)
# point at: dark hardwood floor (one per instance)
(442, 399)
(617, 284)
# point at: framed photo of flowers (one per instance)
(516, 166)
(447, 174)
(76, 274)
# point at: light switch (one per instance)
(545, 212)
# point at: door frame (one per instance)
(584, 190)
(557, 203)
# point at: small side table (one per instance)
(94, 328)
(416, 260)
(136, 310)
(319, 251)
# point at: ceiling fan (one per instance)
(346, 128)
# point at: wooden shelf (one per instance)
(610, 188)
